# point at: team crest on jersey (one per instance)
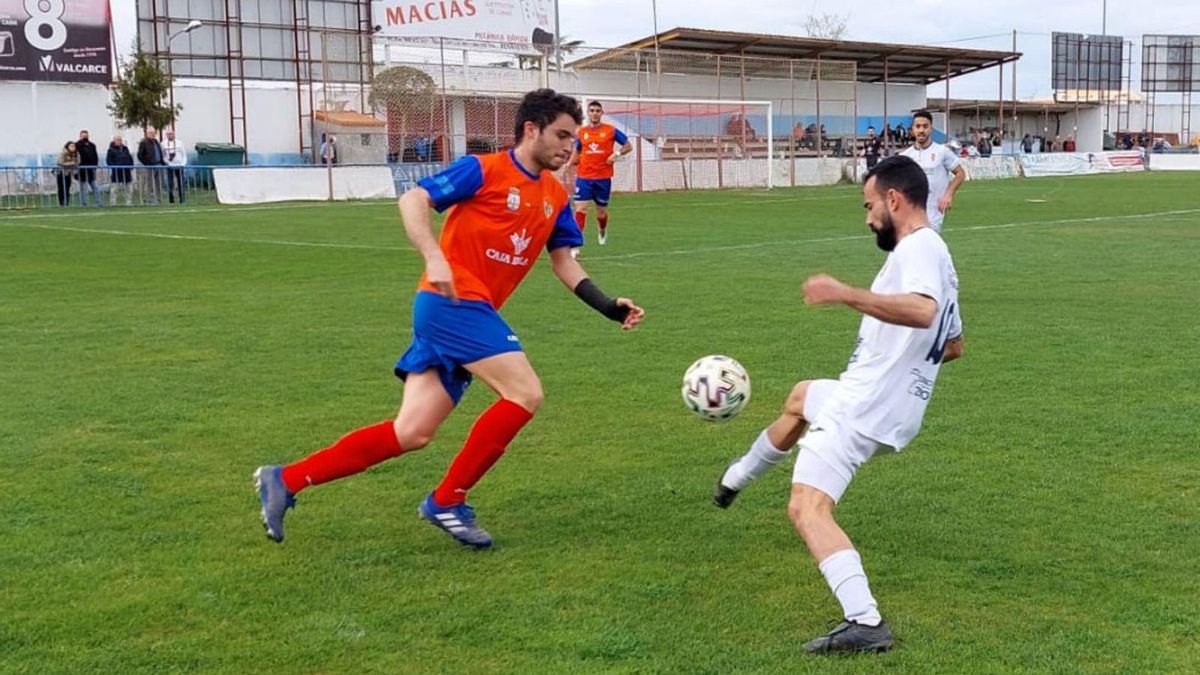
(548, 208)
(514, 199)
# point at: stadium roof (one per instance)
(348, 118)
(971, 105)
(904, 64)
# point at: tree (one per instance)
(404, 89)
(826, 26)
(139, 98)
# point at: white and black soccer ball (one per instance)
(716, 388)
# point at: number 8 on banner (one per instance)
(45, 13)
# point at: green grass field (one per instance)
(1045, 520)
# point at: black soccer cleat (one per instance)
(852, 638)
(724, 496)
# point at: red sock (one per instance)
(489, 437)
(603, 220)
(354, 453)
(581, 219)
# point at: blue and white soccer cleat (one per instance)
(276, 499)
(456, 521)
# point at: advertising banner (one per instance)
(520, 23)
(1081, 163)
(1055, 164)
(55, 41)
(1118, 161)
(991, 168)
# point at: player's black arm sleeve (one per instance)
(597, 300)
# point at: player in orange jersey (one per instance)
(504, 208)
(598, 148)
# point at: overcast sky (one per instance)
(931, 22)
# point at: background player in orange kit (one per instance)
(598, 148)
(505, 207)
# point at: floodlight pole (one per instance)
(191, 26)
(557, 45)
(657, 62)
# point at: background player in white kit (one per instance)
(942, 168)
(910, 327)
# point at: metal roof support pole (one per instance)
(1014, 83)
(947, 129)
(792, 119)
(1000, 111)
(854, 132)
(887, 133)
(820, 132)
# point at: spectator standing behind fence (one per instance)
(329, 150)
(68, 165)
(872, 148)
(150, 154)
(176, 153)
(89, 159)
(985, 146)
(121, 161)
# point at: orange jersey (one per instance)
(501, 216)
(594, 146)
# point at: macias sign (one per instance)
(55, 40)
(524, 23)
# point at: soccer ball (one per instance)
(716, 388)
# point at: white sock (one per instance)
(844, 573)
(758, 460)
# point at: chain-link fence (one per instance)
(103, 186)
(696, 120)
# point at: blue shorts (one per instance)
(588, 190)
(448, 336)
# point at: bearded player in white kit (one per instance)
(942, 168)
(910, 327)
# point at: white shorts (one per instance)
(831, 450)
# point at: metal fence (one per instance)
(103, 186)
(804, 109)
(814, 102)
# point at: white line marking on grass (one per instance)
(80, 212)
(973, 228)
(599, 258)
(196, 237)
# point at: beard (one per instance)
(885, 235)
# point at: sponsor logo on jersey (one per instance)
(520, 242)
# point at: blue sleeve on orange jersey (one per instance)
(620, 136)
(458, 182)
(566, 231)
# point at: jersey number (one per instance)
(938, 350)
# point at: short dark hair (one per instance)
(542, 107)
(870, 128)
(923, 113)
(903, 175)
(595, 103)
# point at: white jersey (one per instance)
(939, 163)
(889, 380)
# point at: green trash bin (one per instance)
(218, 154)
